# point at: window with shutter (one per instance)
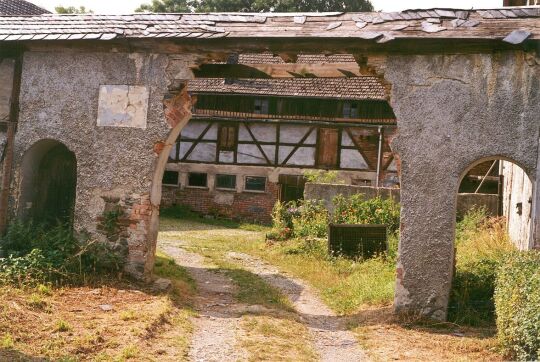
(227, 138)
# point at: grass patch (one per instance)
(251, 289)
(62, 326)
(275, 339)
(482, 244)
(142, 325)
(7, 341)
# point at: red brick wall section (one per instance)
(246, 206)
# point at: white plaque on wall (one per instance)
(122, 106)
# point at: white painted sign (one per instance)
(122, 106)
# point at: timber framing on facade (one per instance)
(111, 94)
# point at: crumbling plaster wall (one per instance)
(115, 165)
(452, 111)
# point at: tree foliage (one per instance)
(165, 6)
(72, 10)
(169, 6)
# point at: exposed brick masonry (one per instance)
(245, 206)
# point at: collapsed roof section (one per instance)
(382, 27)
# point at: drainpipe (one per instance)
(10, 136)
(379, 157)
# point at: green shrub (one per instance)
(178, 212)
(482, 245)
(356, 210)
(471, 297)
(517, 302)
(322, 177)
(310, 219)
(37, 254)
(281, 221)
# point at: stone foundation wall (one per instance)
(244, 206)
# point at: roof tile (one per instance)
(358, 88)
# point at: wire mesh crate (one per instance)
(355, 241)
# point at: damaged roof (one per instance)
(20, 7)
(357, 88)
(378, 26)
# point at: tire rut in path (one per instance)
(331, 338)
(217, 328)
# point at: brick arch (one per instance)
(177, 109)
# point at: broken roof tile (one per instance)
(517, 36)
(489, 24)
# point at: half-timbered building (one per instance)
(251, 139)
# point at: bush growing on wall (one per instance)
(322, 177)
(517, 303)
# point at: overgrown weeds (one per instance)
(482, 244)
(37, 254)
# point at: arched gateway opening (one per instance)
(48, 183)
(494, 210)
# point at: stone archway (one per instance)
(48, 183)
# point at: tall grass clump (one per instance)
(37, 253)
(482, 243)
(517, 301)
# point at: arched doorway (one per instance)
(494, 211)
(48, 184)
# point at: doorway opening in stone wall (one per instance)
(48, 183)
(494, 205)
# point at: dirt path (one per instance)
(217, 327)
(332, 340)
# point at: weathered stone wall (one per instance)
(327, 192)
(453, 111)
(115, 164)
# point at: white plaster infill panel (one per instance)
(122, 106)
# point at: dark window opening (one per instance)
(227, 138)
(327, 148)
(255, 183)
(226, 182)
(261, 106)
(197, 179)
(350, 110)
(170, 178)
(292, 187)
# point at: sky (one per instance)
(128, 6)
